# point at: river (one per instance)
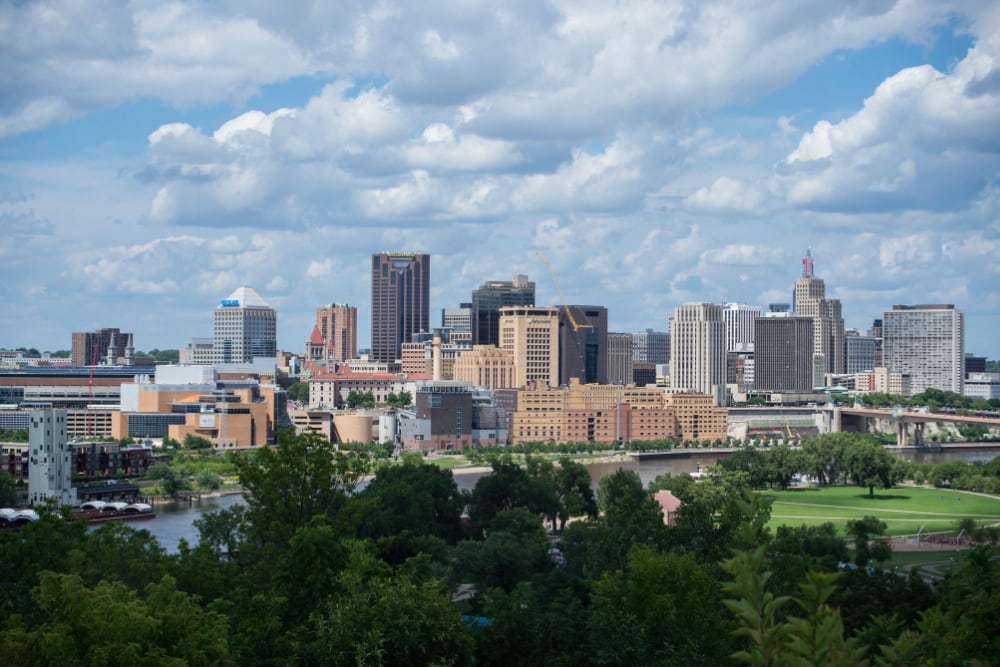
(176, 520)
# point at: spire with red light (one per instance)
(807, 265)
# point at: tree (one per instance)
(8, 490)
(173, 479)
(405, 504)
(869, 465)
(387, 620)
(165, 627)
(208, 479)
(301, 477)
(196, 442)
(630, 517)
(299, 391)
(575, 493)
(868, 545)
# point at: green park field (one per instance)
(904, 509)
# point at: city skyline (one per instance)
(155, 158)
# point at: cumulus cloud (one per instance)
(923, 140)
(726, 194)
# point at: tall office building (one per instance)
(531, 336)
(620, 358)
(651, 347)
(489, 298)
(860, 351)
(401, 306)
(337, 324)
(697, 348)
(739, 318)
(828, 323)
(105, 346)
(457, 319)
(245, 327)
(927, 342)
(583, 346)
(783, 354)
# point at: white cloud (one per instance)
(726, 194)
(923, 140)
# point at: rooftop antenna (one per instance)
(807, 265)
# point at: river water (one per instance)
(176, 520)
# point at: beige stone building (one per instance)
(697, 419)
(486, 366)
(531, 336)
(592, 413)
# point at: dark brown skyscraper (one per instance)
(401, 306)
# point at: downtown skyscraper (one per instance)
(927, 342)
(244, 326)
(828, 322)
(401, 288)
(489, 298)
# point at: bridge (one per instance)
(907, 420)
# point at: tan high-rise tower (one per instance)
(531, 336)
(828, 322)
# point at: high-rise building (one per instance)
(531, 336)
(102, 347)
(401, 288)
(620, 358)
(739, 318)
(50, 468)
(245, 327)
(697, 348)
(928, 343)
(583, 346)
(828, 323)
(489, 298)
(651, 347)
(783, 354)
(457, 319)
(338, 331)
(860, 351)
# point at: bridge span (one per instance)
(908, 422)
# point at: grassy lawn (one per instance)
(904, 509)
(448, 461)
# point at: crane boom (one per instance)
(569, 314)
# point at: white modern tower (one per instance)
(739, 319)
(928, 343)
(697, 348)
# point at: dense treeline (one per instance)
(326, 564)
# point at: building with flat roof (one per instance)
(401, 288)
(620, 362)
(926, 342)
(50, 459)
(739, 319)
(489, 298)
(697, 348)
(650, 347)
(530, 335)
(486, 366)
(783, 354)
(583, 344)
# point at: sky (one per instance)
(157, 155)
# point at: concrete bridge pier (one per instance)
(903, 433)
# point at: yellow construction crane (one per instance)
(569, 314)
